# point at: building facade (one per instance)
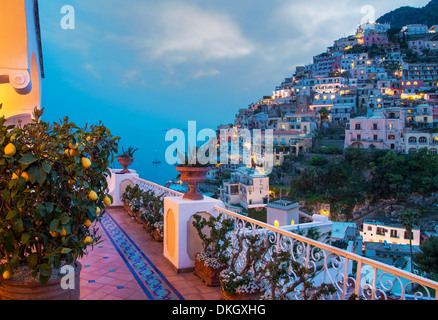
(21, 60)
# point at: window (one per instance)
(357, 126)
(412, 140)
(381, 231)
(394, 234)
(422, 140)
(375, 126)
(391, 137)
(375, 137)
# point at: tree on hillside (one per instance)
(427, 259)
(409, 219)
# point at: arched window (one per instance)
(412, 151)
(432, 151)
(412, 140)
(422, 140)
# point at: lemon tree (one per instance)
(50, 198)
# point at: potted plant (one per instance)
(214, 257)
(53, 182)
(126, 197)
(126, 158)
(132, 200)
(245, 281)
(152, 215)
(192, 173)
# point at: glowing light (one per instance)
(276, 223)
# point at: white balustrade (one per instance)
(158, 190)
(351, 274)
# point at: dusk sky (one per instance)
(143, 66)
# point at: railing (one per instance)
(352, 275)
(158, 190)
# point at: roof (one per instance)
(386, 224)
(391, 247)
(340, 228)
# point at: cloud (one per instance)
(91, 69)
(132, 77)
(180, 33)
(206, 73)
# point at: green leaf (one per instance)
(18, 226)
(64, 219)
(50, 207)
(6, 195)
(42, 176)
(66, 250)
(27, 159)
(25, 238)
(54, 225)
(32, 176)
(11, 214)
(42, 210)
(46, 167)
(32, 259)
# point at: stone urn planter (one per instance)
(193, 176)
(208, 275)
(14, 290)
(125, 163)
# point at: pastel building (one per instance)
(246, 188)
(413, 29)
(382, 130)
(393, 233)
(373, 37)
(21, 68)
(413, 141)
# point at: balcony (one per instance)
(350, 273)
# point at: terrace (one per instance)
(129, 264)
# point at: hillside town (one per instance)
(374, 90)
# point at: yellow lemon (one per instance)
(88, 223)
(7, 275)
(88, 240)
(73, 152)
(107, 201)
(71, 146)
(86, 163)
(92, 195)
(63, 232)
(53, 234)
(98, 210)
(14, 176)
(10, 149)
(25, 175)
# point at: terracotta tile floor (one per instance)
(105, 275)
